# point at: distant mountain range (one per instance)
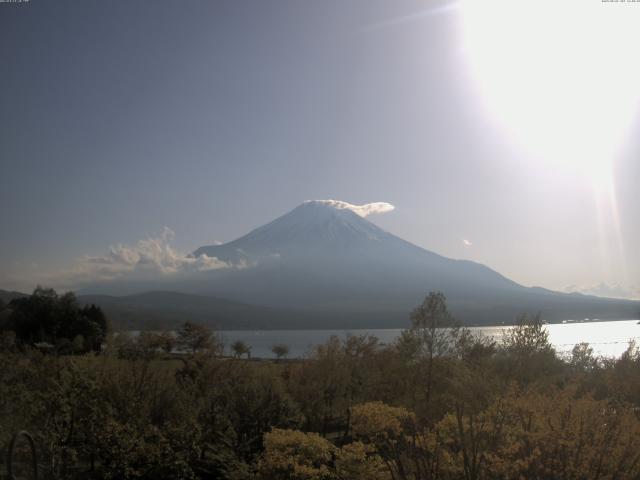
(324, 266)
(6, 295)
(163, 309)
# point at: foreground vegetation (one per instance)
(439, 403)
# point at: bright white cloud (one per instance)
(605, 290)
(151, 258)
(467, 243)
(362, 210)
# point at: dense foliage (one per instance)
(53, 321)
(440, 403)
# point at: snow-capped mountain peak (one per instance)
(315, 225)
(361, 210)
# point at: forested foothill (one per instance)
(439, 403)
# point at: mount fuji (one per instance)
(323, 265)
(325, 257)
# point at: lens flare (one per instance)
(560, 75)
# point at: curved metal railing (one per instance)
(10, 450)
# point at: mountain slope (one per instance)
(343, 253)
(325, 266)
(6, 295)
(331, 260)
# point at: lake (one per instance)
(607, 338)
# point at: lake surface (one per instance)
(606, 338)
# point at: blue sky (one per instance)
(212, 118)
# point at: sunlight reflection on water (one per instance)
(606, 338)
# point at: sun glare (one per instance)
(562, 76)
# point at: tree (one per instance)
(94, 326)
(341, 373)
(7, 340)
(474, 349)
(280, 350)
(166, 341)
(528, 351)
(555, 434)
(46, 317)
(295, 455)
(78, 344)
(582, 358)
(152, 344)
(149, 345)
(436, 330)
(126, 346)
(527, 337)
(193, 338)
(240, 348)
(392, 433)
(358, 461)
(35, 318)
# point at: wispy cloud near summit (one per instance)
(362, 210)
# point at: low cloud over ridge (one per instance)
(362, 210)
(152, 258)
(605, 290)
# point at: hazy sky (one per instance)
(119, 118)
